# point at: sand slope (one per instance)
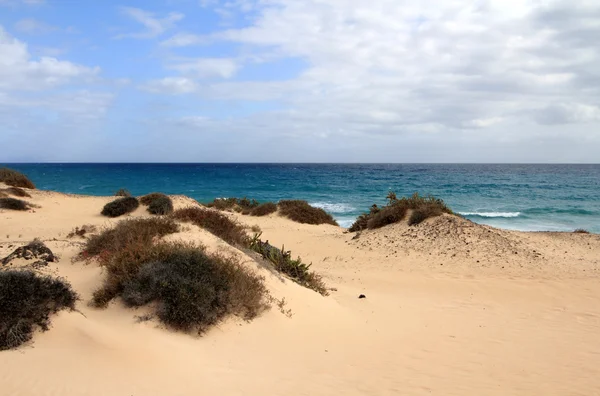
(435, 320)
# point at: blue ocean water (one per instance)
(520, 197)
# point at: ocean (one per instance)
(517, 197)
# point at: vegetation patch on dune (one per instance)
(120, 206)
(422, 207)
(15, 179)
(214, 222)
(581, 231)
(148, 198)
(161, 206)
(239, 205)
(16, 191)
(264, 209)
(14, 204)
(302, 212)
(123, 193)
(27, 300)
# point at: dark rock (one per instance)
(39, 264)
(362, 296)
(34, 250)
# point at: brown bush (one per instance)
(148, 198)
(120, 206)
(302, 212)
(16, 191)
(26, 301)
(214, 222)
(16, 179)
(161, 206)
(14, 204)
(581, 231)
(241, 205)
(123, 193)
(264, 209)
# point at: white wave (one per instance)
(491, 214)
(333, 207)
(345, 223)
(86, 186)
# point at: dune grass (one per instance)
(120, 206)
(240, 205)
(214, 222)
(27, 300)
(15, 179)
(16, 191)
(14, 204)
(161, 206)
(123, 193)
(302, 212)
(264, 209)
(149, 198)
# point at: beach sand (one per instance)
(451, 308)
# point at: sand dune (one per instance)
(452, 308)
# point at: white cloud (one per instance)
(19, 72)
(154, 26)
(171, 85)
(33, 26)
(207, 67)
(184, 40)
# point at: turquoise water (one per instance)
(521, 197)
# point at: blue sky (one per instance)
(300, 81)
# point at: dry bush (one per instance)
(120, 206)
(16, 191)
(581, 231)
(26, 301)
(161, 206)
(214, 222)
(423, 207)
(193, 289)
(123, 193)
(16, 179)
(149, 198)
(302, 212)
(14, 204)
(241, 205)
(82, 231)
(283, 262)
(264, 209)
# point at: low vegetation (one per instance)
(16, 191)
(120, 206)
(149, 198)
(82, 231)
(123, 193)
(264, 209)
(161, 206)
(15, 179)
(240, 205)
(27, 300)
(581, 231)
(214, 222)
(422, 207)
(14, 204)
(302, 212)
(283, 262)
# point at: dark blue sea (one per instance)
(520, 197)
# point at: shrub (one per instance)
(3, 195)
(120, 206)
(395, 211)
(14, 204)
(149, 198)
(123, 193)
(161, 206)
(581, 231)
(302, 212)
(16, 179)
(243, 205)
(194, 290)
(214, 222)
(82, 231)
(283, 262)
(17, 192)
(26, 301)
(264, 209)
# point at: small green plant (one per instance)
(14, 204)
(282, 261)
(15, 179)
(302, 212)
(26, 301)
(243, 205)
(123, 193)
(264, 209)
(214, 222)
(161, 206)
(120, 207)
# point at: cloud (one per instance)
(154, 26)
(207, 67)
(14, 3)
(171, 85)
(33, 26)
(19, 72)
(184, 40)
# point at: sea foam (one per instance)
(491, 214)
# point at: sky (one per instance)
(300, 81)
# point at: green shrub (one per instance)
(194, 290)
(120, 206)
(161, 206)
(423, 207)
(14, 204)
(302, 212)
(123, 193)
(581, 231)
(214, 222)
(149, 198)
(26, 301)
(264, 209)
(16, 179)
(16, 191)
(283, 262)
(243, 205)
